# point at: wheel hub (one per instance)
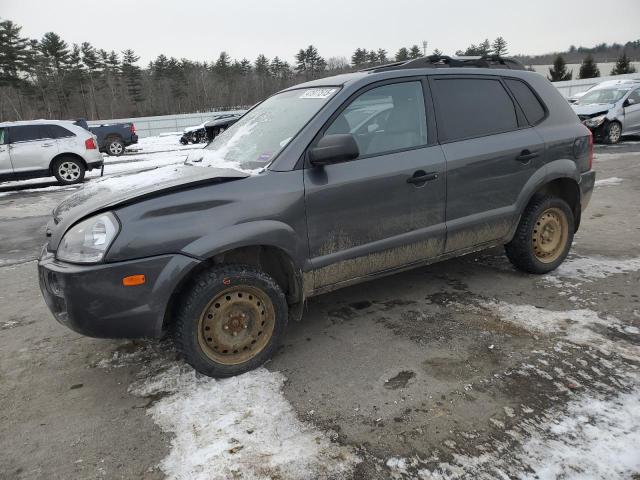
(236, 325)
(550, 235)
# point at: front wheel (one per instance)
(231, 320)
(613, 133)
(68, 170)
(543, 237)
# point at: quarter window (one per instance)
(533, 109)
(470, 107)
(2, 136)
(385, 119)
(26, 133)
(60, 132)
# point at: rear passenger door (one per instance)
(491, 151)
(32, 147)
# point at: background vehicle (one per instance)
(207, 131)
(44, 148)
(323, 185)
(113, 138)
(611, 109)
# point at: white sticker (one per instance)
(318, 93)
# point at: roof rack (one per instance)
(443, 61)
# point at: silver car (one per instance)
(45, 148)
(611, 109)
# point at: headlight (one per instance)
(595, 121)
(88, 241)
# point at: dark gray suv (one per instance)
(322, 185)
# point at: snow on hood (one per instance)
(592, 108)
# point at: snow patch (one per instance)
(611, 181)
(241, 427)
(587, 269)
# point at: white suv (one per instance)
(42, 148)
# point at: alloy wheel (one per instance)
(69, 171)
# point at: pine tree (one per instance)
(261, 66)
(402, 55)
(245, 66)
(309, 62)
(133, 77)
(485, 48)
(500, 47)
(359, 57)
(372, 57)
(382, 56)
(589, 68)
(623, 65)
(415, 52)
(14, 53)
(558, 72)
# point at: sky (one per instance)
(201, 29)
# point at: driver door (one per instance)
(371, 215)
(632, 113)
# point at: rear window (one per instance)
(26, 133)
(533, 109)
(472, 107)
(60, 132)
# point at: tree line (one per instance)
(48, 78)
(588, 68)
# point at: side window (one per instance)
(533, 109)
(635, 95)
(27, 133)
(385, 119)
(59, 132)
(472, 107)
(2, 136)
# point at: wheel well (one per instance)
(271, 260)
(63, 155)
(568, 190)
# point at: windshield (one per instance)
(603, 95)
(255, 140)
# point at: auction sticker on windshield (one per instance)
(318, 93)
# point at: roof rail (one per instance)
(440, 61)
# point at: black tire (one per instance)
(208, 287)
(68, 170)
(613, 133)
(115, 147)
(521, 250)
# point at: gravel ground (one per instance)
(464, 369)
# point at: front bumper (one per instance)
(91, 300)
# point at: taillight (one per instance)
(590, 150)
(133, 129)
(90, 143)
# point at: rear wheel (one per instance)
(231, 320)
(68, 170)
(544, 235)
(115, 147)
(613, 132)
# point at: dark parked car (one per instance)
(113, 138)
(322, 185)
(207, 131)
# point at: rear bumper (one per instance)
(134, 139)
(91, 300)
(587, 182)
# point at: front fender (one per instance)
(271, 233)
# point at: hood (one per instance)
(119, 189)
(594, 108)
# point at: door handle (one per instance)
(422, 177)
(526, 155)
(45, 145)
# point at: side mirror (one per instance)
(628, 102)
(334, 149)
